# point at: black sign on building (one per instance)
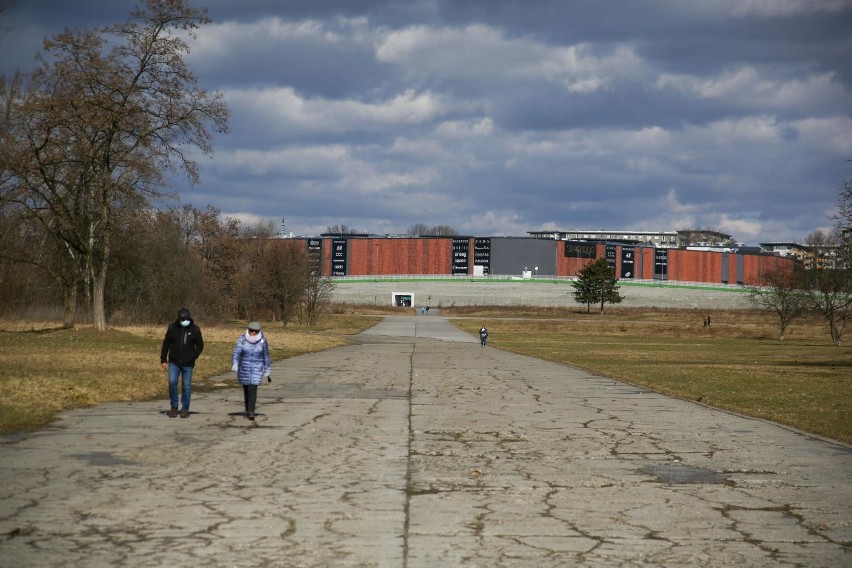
(482, 254)
(338, 257)
(461, 255)
(580, 250)
(628, 259)
(315, 256)
(661, 264)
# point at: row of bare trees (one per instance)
(416, 230)
(821, 282)
(162, 260)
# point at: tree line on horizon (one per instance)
(163, 260)
(416, 230)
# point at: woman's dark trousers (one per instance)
(250, 396)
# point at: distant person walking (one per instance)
(251, 363)
(483, 335)
(181, 347)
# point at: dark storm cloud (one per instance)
(504, 116)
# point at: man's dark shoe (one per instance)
(172, 412)
(250, 416)
(184, 413)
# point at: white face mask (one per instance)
(185, 323)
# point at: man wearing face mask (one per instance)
(181, 347)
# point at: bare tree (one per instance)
(843, 218)
(272, 274)
(341, 230)
(286, 273)
(422, 230)
(29, 233)
(830, 280)
(418, 229)
(785, 293)
(150, 270)
(102, 120)
(215, 241)
(316, 299)
(34, 276)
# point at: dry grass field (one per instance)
(737, 364)
(45, 369)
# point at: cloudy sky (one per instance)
(499, 117)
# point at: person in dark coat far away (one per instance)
(483, 335)
(181, 347)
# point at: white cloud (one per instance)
(672, 205)
(367, 180)
(748, 87)
(750, 128)
(831, 135)
(282, 106)
(783, 8)
(495, 223)
(742, 228)
(247, 219)
(484, 53)
(218, 39)
(462, 129)
(769, 9)
(301, 161)
(419, 150)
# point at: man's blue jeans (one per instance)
(174, 372)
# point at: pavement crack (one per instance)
(409, 481)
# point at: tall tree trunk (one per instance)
(98, 298)
(69, 299)
(836, 331)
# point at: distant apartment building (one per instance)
(665, 239)
(819, 257)
(786, 249)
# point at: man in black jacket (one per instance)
(181, 347)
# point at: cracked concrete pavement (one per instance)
(415, 447)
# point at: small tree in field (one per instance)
(596, 284)
(315, 300)
(785, 293)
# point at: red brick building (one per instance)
(349, 255)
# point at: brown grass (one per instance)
(45, 369)
(737, 364)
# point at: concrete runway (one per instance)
(416, 447)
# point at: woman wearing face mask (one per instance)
(251, 363)
(181, 347)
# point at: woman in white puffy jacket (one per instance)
(251, 363)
